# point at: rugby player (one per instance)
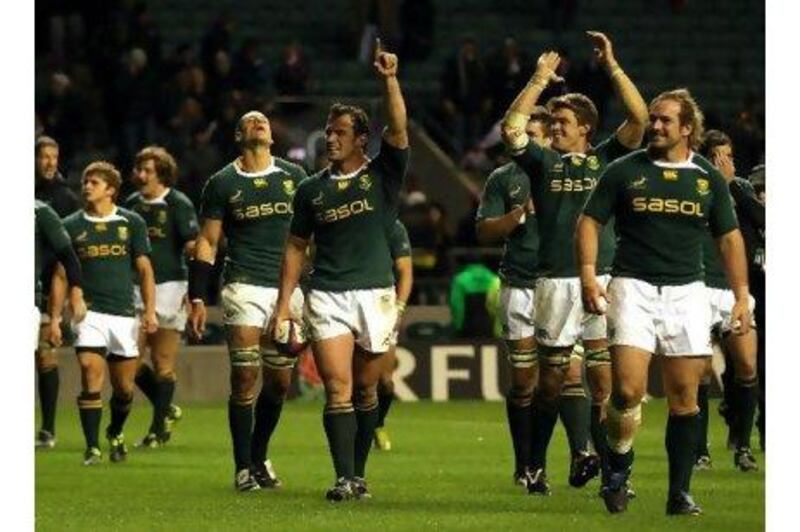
(664, 199)
(52, 189)
(350, 208)
(250, 202)
(742, 395)
(172, 228)
(111, 243)
(506, 213)
(561, 179)
(400, 249)
(51, 237)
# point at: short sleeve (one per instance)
(611, 149)
(532, 160)
(186, 220)
(302, 225)
(140, 243)
(53, 229)
(492, 202)
(399, 244)
(721, 216)
(602, 201)
(212, 205)
(390, 164)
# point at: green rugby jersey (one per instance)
(560, 185)
(399, 245)
(171, 222)
(663, 212)
(506, 188)
(49, 235)
(107, 248)
(351, 218)
(255, 210)
(712, 265)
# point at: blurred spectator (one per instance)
(417, 22)
(747, 134)
(291, 77)
(205, 159)
(218, 37)
(561, 14)
(508, 70)
(221, 80)
(465, 232)
(251, 69)
(134, 102)
(50, 184)
(469, 305)
(224, 125)
(143, 33)
(464, 99)
(181, 58)
(61, 111)
(184, 124)
(433, 243)
(591, 80)
(374, 18)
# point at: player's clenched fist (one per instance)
(385, 63)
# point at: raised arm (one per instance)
(631, 132)
(734, 260)
(396, 132)
(513, 126)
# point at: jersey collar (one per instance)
(110, 217)
(687, 164)
(351, 174)
(158, 199)
(272, 168)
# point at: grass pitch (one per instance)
(450, 469)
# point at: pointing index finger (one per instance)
(378, 47)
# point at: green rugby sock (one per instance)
(681, 442)
(747, 400)
(599, 435)
(544, 417)
(48, 397)
(702, 424)
(573, 408)
(120, 408)
(267, 415)
(90, 408)
(240, 422)
(340, 429)
(366, 421)
(164, 391)
(384, 403)
(519, 424)
(146, 381)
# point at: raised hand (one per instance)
(603, 49)
(546, 68)
(385, 63)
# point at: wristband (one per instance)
(199, 276)
(616, 72)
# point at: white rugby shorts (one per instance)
(170, 304)
(517, 311)
(559, 316)
(667, 320)
(252, 306)
(369, 315)
(117, 334)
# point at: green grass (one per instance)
(450, 469)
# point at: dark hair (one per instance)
(107, 172)
(542, 115)
(714, 138)
(357, 114)
(690, 113)
(45, 142)
(166, 168)
(581, 105)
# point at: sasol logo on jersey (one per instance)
(345, 211)
(102, 250)
(265, 209)
(573, 185)
(668, 206)
(156, 232)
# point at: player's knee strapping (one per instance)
(622, 425)
(246, 356)
(573, 390)
(339, 408)
(556, 357)
(597, 357)
(522, 358)
(752, 382)
(365, 400)
(274, 360)
(246, 399)
(520, 397)
(90, 400)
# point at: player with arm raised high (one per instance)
(250, 201)
(664, 201)
(172, 228)
(561, 179)
(350, 208)
(112, 244)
